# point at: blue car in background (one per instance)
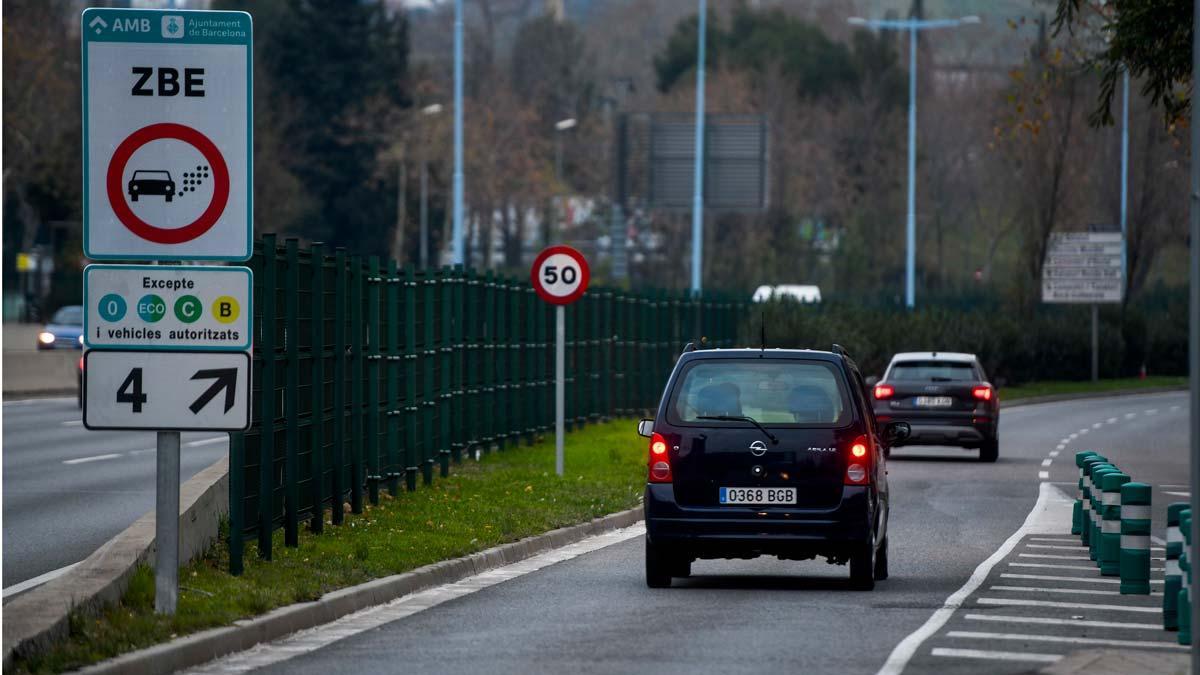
(65, 330)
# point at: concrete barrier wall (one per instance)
(35, 619)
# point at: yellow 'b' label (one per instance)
(225, 309)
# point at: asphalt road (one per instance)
(594, 614)
(67, 490)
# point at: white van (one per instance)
(799, 293)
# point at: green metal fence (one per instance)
(370, 377)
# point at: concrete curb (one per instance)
(193, 650)
(1056, 398)
(36, 618)
(1120, 662)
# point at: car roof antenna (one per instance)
(762, 332)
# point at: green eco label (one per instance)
(151, 308)
(188, 308)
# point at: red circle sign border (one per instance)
(584, 272)
(139, 227)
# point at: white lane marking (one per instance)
(1050, 515)
(1047, 621)
(1072, 437)
(1174, 408)
(1085, 580)
(1158, 540)
(1062, 445)
(1057, 540)
(1075, 547)
(1046, 462)
(370, 618)
(1090, 568)
(37, 581)
(1097, 425)
(1051, 556)
(1111, 420)
(1054, 453)
(1146, 644)
(1177, 494)
(1034, 589)
(1130, 416)
(93, 458)
(31, 401)
(72, 423)
(143, 451)
(1152, 411)
(995, 656)
(1083, 431)
(1014, 602)
(206, 441)
(1043, 475)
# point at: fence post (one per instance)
(392, 303)
(427, 387)
(529, 354)
(371, 361)
(291, 399)
(316, 427)
(515, 409)
(500, 362)
(412, 461)
(337, 491)
(458, 358)
(445, 357)
(356, 350)
(266, 448)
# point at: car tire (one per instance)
(881, 561)
(989, 451)
(658, 566)
(681, 566)
(862, 566)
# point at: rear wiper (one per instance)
(741, 418)
(938, 378)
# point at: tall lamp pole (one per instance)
(560, 127)
(456, 257)
(698, 180)
(423, 253)
(912, 26)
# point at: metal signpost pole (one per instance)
(1095, 342)
(1124, 173)
(166, 523)
(560, 366)
(1194, 325)
(698, 184)
(910, 234)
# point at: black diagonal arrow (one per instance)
(226, 378)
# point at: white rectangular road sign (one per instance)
(167, 307)
(1083, 267)
(166, 391)
(167, 139)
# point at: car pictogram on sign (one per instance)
(146, 183)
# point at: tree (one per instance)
(1152, 38)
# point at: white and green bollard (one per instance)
(1172, 582)
(1077, 511)
(1134, 556)
(1099, 471)
(1085, 512)
(1185, 578)
(1108, 553)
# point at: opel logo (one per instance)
(758, 448)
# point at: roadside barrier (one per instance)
(1099, 471)
(1086, 512)
(1185, 589)
(1077, 510)
(1133, 561)
(1108, 553)
(1172, 582)
(368, 376)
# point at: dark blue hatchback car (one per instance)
(767, 452)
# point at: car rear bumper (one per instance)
(735, 532)
(965, 429)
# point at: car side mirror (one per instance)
(897, 432)
(871, 380)
(645, 428)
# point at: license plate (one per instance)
(934, 401)
(736, 495)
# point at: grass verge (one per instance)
(503, 497)
(1056, 387)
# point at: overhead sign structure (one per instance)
(167, 137)
(167, 307)
(167, 391)
(1083, 267)
(560, 275)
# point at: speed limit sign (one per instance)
(560, 275)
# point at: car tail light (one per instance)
(660, 460)
(983, 393)
(884, 391)
(858, 462)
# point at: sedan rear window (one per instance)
(933, 371)
(773, 392)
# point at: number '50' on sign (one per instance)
(560, 275)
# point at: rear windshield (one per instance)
(935, 371)
(773, 392)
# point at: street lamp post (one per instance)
(423, 253)
(458, 245)
(698, 171)
(912, 26)
(560, 127)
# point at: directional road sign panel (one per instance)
(166, 391)
(167, 134)
(167, 307)
(1083, 267)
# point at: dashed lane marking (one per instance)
(206, 441)
(1082, 580)
(1097, 425)
(93, 458)
(996, 656)
(1052, 556)
(1054, 453)
(1043, 475)
(1111, 420)
(1049, 621)
(1055, 540)
(1144, 644)
(1090, 568)
(1037, 589)
(72, 423)
(1020, 602)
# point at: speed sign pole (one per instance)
(560, 276)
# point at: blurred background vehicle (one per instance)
(64, 331)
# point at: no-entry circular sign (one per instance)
(560, 275)
(116, 193)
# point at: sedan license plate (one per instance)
(736, 495)
(934, 401)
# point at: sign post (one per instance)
(1085, 268)
(167, 175)
(560, 275)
